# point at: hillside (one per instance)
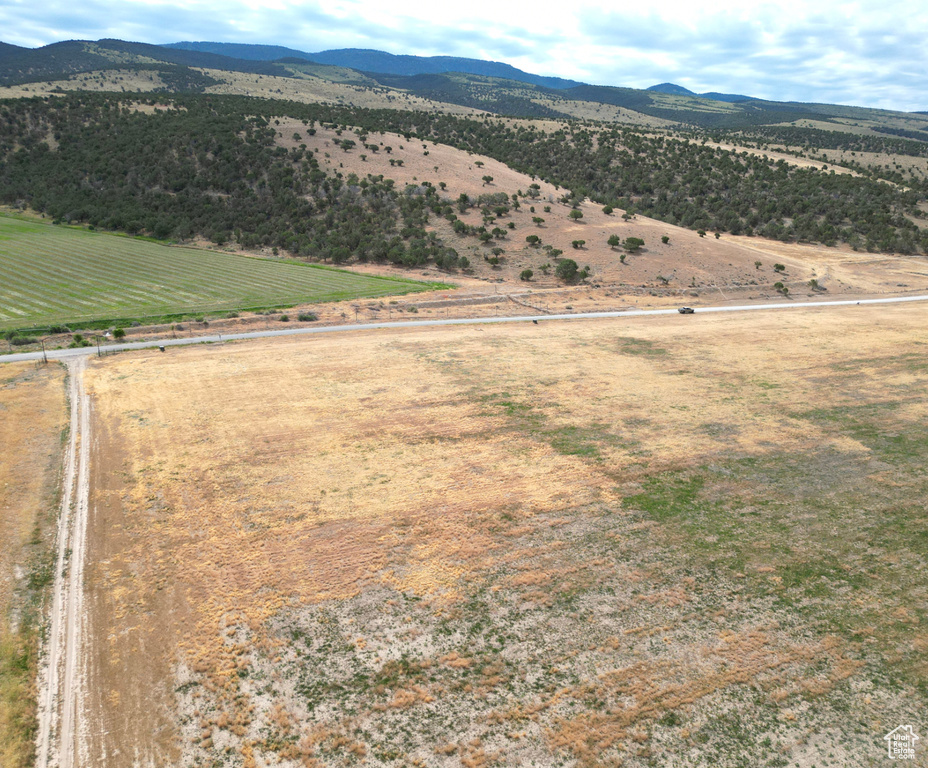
(468, 83)
(391, 174)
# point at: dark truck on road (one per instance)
(686, 310)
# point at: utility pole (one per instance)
(99, 354)
(44, 356)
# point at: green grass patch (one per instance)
(814, 534)
(63, 275)
(633, 346)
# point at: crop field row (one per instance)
(53, 274)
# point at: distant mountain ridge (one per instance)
(379, 62)
(69, 57)
(485, 86)
(679, 90)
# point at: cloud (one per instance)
(846, 52)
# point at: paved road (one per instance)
(63, 354)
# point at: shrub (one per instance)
(779, 267)
(307, 317)
(665, 239)
(119, 333)
(21, 341)
(285, 318)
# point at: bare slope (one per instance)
(717, 269)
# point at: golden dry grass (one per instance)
(32, 417)
(584, 543)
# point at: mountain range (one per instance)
(486, 86)
(379, 62)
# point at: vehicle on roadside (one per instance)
(686, 310)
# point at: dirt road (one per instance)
(61, 734)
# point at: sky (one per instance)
(863, 53)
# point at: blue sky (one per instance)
(863, 53)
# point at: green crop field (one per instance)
(59, 275)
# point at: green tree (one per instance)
(567, 270)
(526, 274)
(575, 214)
(613, 241)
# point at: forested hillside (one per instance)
(210, 166)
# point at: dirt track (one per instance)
(61, 733)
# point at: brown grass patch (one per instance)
(32, 419)
(386, 529)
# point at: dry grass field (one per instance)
(656, 541)
(32, 419)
